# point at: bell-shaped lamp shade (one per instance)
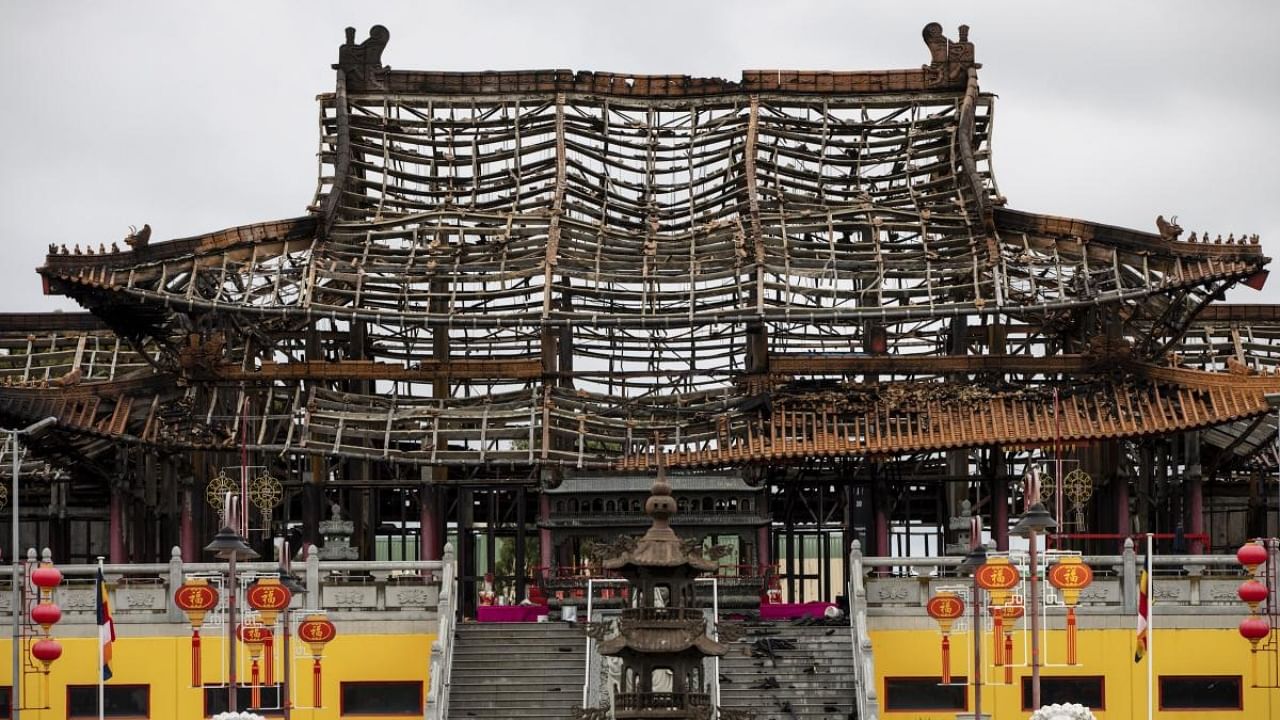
(976, 558)
(289, 581)
(227, 543)
(1034, 520)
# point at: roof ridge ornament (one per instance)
(949, 61)
(361, 61)
(1169, 229)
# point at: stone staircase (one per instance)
(814, 680)
(503, 671)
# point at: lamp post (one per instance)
(295, 588)
(976, 558)
(1273, 401)
(1034, 521)
(228, 545)
(15, 703)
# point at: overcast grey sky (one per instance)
(194, 116)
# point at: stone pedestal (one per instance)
(337, 538)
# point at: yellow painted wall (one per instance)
(164, 663)
(915, 653)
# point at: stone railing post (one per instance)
(313, 578)
(175, 581)
(441, 659)
(1129, 578)
(864, 673)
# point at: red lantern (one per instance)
(1254, 628)
(1071, 575)
(1252, 592)
(1010, 614)
(254, 637)
(945, 607)
(46, 577)
(196, 598)
(316, 630)
(46, 615)
(998, 576)
(268, 596)
(46, 651)
(1251, 555)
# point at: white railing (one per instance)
(143, 592)
(586, 672)
(866, 698)
(1197, 583)
(439, 676)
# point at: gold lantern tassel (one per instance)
(1071, 636)
(997, 633)
(946, 659)
(196, 675)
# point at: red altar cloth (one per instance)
(510, 613)
(788, 611)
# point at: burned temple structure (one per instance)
(508, 282)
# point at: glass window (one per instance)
(925, 693)
(382, 698)
(1204, 692)
(131, 701)
(215, 700)
(4, 703)
(1087, 690)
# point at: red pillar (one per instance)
(763, 545)
(544, 534)
(882, 531)
(429, 518)
(1195, 508)
(187, 530)
(1000, 513)
(1123, 523)
(115, 530)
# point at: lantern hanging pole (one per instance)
(977, 649)
(286, 562)
(1151, 628)
(15, 604)
(15, 686)
(233, 587)
(1057, 460)
(102, 691)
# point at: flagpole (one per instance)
(1151, 635)
(101, 683)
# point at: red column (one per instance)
(544, 534)
(1123, 526)
(429, 518)
(763, 546)
(1195, 508)
(115, 530)
(187, 531)
(882, 531)
(1000, 513)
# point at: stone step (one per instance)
(498, 677)
(531, 712)
(814, 680)
(542, 649)
(467, 666)
(559, 694)
(504, 671)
